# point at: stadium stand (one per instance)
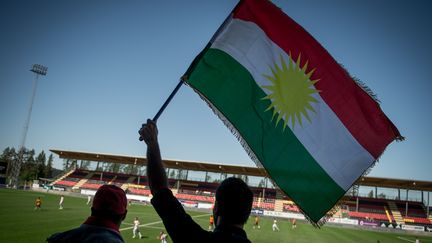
(371, 209)
(192, 192)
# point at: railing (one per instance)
(410, 199)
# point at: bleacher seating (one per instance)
(414, 209)
(362, 215)
(66, 183)
(416, 220)
(79, 174)
(268, 192)
(196, 198)
(138, 191)
(91, 185)
(263, 205)
(198, 191)
(142, 180)
(287, 207)
(369, 208)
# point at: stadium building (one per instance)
(371, 202)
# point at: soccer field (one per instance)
(21, 223)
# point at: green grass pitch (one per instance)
(21, 223)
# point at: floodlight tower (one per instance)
(38, 70)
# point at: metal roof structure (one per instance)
(231, 169)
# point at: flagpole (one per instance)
(168, 100)
(193, 64)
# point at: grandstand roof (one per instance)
(231, 169)
(176, 164)
(396, 183)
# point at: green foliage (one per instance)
(49, 167)
(31, 168)
(69, 163)
(261, 183)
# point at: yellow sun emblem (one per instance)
(291, 92)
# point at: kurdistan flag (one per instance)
(296, 111)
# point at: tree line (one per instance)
(33, 166)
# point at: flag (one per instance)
(294, 109)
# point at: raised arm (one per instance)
(156, 175)
(178, 223)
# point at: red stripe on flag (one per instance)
(360, 114)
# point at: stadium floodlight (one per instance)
(39, 70)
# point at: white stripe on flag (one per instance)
(326, 138)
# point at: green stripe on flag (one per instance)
(232, 90)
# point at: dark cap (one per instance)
(110, 198)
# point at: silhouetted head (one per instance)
(110, 203)
(233, 201)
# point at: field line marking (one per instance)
(160, 221)
(405, 239)
(156, 222)
(155, 227)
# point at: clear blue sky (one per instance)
(113, 63)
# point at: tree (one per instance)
(48, 167)
(130, 169)
(40, 164)
(246, 179)
(261, 183)
(29, 168)
(371, 194)
(85, 164)
(69, 163)
(114, 167)
(172, 174)
(223, 176)
(10, 156)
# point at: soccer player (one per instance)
(256, 222)
(88, 199)
(163, 237)
(61, 202)
(274, 226)
(294, 223)
(211, 223)
(38, 203)
(136, 230)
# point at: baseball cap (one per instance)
(110, 198)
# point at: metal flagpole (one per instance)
(168, 100)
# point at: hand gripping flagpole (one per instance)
(168, 100)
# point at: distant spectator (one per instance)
(107, 213)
